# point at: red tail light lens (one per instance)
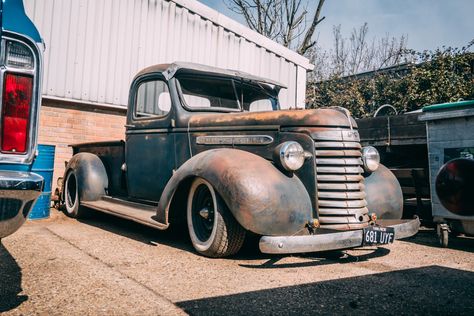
(16, 106)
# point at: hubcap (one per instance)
(203, 212)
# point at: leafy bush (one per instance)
(443, 75)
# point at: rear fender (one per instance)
(91, 176)
(261, 198)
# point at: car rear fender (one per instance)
(91, 176)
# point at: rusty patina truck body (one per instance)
(212, 147)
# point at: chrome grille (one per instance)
(340, 183)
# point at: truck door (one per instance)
(149, 148)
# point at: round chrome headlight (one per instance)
(291, 155)
(371, 158)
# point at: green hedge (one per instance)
(439, 76)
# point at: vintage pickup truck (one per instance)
(213, 148)
(20, 81)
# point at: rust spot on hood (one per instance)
(317, 117)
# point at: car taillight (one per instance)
(17, 96)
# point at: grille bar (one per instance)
(339, 170)
(349, 145)
(339, 161)
(338, 153)
(341, 191)
(341, 186)
(343, 211)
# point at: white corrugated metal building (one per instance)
(95, 47)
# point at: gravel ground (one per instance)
(108, 266)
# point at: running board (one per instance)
(140, 213)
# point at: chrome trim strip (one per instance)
(148, 131)
(235, 140)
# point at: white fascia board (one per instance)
(245, 32)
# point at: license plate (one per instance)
(375, 235)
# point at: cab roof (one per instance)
(170, 70)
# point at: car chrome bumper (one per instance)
(18, 192)
(332, 240)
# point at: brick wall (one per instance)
(65, 124)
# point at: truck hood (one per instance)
(282, 118)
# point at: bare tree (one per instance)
(285, 21)
(357, 53)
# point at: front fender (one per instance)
(261, 198)
(384, 194)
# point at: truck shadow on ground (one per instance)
(428, 237)
(431, 290)
(319, 259)
(177, 237)
(10, 282)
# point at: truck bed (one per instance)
(112, 154)
(396, 130)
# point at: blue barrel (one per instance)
(44, 166)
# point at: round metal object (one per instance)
(292, 156)
(384, 194)
(455, 186)
(370, 158)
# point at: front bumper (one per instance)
(18, 192)
(332, 240)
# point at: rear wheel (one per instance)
(71, 196)
(213, 230)
(443, 235)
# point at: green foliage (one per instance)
(438, 76)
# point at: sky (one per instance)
(427, 24)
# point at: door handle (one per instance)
(129, 126)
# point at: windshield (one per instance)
(227, 95)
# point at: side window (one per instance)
(261, 105)
(153, 99)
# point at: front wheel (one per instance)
(213, 230)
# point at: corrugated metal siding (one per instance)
(95, 47)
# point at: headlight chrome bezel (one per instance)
(370, 159)
(291, 155)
